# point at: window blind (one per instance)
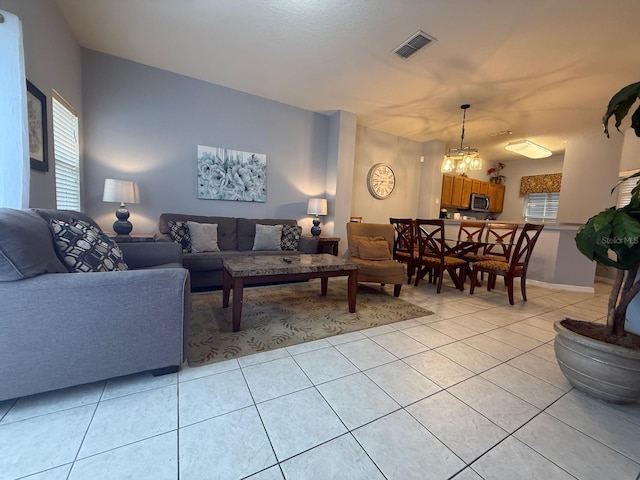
(66, 152)
(541, 207)
(625, 188)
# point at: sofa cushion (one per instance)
(247, 230)
(85, 248)
(204, 237)
(290, 237)
(227, 238)
(26, 246)
(268, 237)
(180, 234)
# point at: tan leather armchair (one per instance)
(366, 242)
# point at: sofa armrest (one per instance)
(308, 244)
(150, 254)
(162, 237)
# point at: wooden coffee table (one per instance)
(241, 271)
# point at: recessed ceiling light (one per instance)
(501, 134)
(528, 149)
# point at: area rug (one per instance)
(283, 315)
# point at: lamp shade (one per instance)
(121, 191)
(317, 206)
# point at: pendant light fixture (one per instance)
(459, 160)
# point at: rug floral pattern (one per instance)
(284, 315)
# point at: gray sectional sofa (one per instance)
(59, 329)
(235, 237)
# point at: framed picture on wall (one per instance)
(37, 113)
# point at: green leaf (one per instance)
(620, 104)
(603, 219)
(635, 121)
(626, 229)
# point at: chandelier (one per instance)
(459, 160)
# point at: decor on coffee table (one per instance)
(316, 206)
(277, 316)
(225, 174)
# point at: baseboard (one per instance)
(560, 286)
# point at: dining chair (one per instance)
(498, 243)
(433, 256)
(405, 246)
(515, 267)
(470, 231)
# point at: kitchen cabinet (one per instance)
(457, 190)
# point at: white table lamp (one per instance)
(316, 206)
(122, 191)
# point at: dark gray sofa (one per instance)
(235, 238)
(59, 329)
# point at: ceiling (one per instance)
(542, 69)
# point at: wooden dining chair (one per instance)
(433, 256)
(405, 246)
(498, 243)
(470, 231)
(515, 267)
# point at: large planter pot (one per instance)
(605, 371)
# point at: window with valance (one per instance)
(547, 183)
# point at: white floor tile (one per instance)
(548, 371)
(501, 407)
(375, 331)
(458, 426)
(272, 473)
(338, 458)
(325, 365)
(140, 382)
(365, 354)
(438, 368)
(308, 346)
(513, 459)
(234, 445)
(131, 418)
(527, 387)
(574, 451)
(191, 373)
(474, 323)
(402, 453)
(514, 339)
(402, 383)
(58, 473)
(346, 338)
(453, 329)
(41, 443)
(357, 400)
(54, 401)
(153, 459)
(467, 474)
(208, 397)
(399, 344)
(493, 347)
(298, 422)
(469, 357)
(262, 357)
(429, 336)
(531, 331)
(599, 423)
(275, 378)
(546, 352)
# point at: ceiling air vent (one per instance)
(417, 41)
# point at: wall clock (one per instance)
(381, 181)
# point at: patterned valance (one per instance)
(547, 183)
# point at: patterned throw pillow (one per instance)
(84, 248)
(290, 237)
(179, 232)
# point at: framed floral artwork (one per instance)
(37, 118)
(225, 174)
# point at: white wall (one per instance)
(430, 179)
(51, 62)
(403, 156)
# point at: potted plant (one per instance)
(604, 360)
(495, 173)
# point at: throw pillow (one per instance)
(268, 237)
(179, 232)
(204, 237)
(290, 237)
(374, 250)
(355, 240)
(84, 248)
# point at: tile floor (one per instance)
(471, 392)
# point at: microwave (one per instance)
(479, 203)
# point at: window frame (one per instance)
(547, 200)
(66, 154)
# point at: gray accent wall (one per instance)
(52, 62)
(144, 124)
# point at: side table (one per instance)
(142, 237)
(328, 245)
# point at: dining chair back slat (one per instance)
(470, 231)
(499, 240)
(405, 248)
